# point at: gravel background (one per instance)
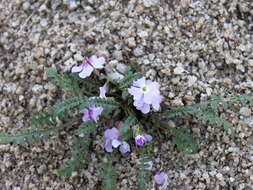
(193, 48)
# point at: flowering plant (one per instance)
(126, 108)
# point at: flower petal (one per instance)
(145, 108)
(156, 102)
(124, 147)
(86, 72)
(160, 178)
(116, 143)
(140, 82)
(139, 103)
(96, 112)
(102, 91)
(97, 62)
(108, 146)
(77, 69)
(111, 133)
(147, 137)
(86, 115)
(136, 92)
(148, 97)
(139, 140)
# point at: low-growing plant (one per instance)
(130, 107)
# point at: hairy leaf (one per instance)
(185, 142)
(68, 105)
(143, 176)
(125, 131)
(80, 156)
(86, 128)
(29, 136)
(107, 103)
(129, 79)
(208, 110)
(108, 176)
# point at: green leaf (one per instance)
(80, 157)
(86, 128)
(108, 176)
(143, 177)
(180, 111)
(29, 136)
(129, 79)
(212, 118)
(185, 142)
(68, 105)
(107, 103)
(125, 131)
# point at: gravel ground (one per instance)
(193, 48)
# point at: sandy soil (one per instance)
(195, 49)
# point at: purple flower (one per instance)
(111, 140)
(93, 113)
(86, 68)
(140, 140)
(146, 94)
(161, 179)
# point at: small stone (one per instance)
(78, 57)
(149, 3)
(219, 176)
(15, 23)
(196, 131)
(73, 4)
(245, 111)
(43, 22)
(209, 91)
(4, 147)
(115, 76)
(121, 68)
(177, 102)
(143, 34)
(191, 80)
(138, 51)
(10, 87)
(131, 42)
(178, 70)
(69, 63)
(43, 8)
(37, 88)
(35, 39)
(26, 5)
(250, 62)
(240, 68)
(249, 122)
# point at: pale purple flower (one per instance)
(111, 140)
(93, 113)
(161, 178)
(124, 147)
(86, 68)
(146, 94)
(140, 140)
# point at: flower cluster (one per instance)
(146, 94)
(111, 140)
